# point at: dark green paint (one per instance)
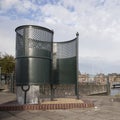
(65, 72)
(32, 71)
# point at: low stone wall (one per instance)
(69, 90)
(90, 89)
(38, 93)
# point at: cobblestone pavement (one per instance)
(105, 109)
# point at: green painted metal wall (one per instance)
(65, 62)
(40, 61)
(65, 72)
(32, 71)
(33, 55)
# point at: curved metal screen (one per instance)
(33, 54)
(33, 41)
(65, 62)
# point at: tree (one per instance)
(7, 63)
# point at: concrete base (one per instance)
(32, 95)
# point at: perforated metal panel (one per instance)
(65, 62)
(30, 39)
(66, 49)
(33, 54)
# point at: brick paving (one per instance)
(105, 109)
(59, 103)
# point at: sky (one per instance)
(97, 21)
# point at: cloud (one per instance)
(97, 22)
(59, 14)
(7, 4)
(20, 6)
(7, 30)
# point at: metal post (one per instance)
(52, 92)
(25, 92)
(76, 85)
(0, 77)
(0, 73)
(108, 86)
(51, 71)
(12, 82)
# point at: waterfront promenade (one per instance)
(105, 109)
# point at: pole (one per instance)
(0, 73)
(108, 86)
(77, 46)
(51, 71)
(25, 92)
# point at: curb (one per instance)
(45, 106)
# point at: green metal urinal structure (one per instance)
(40, 61)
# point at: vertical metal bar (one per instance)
(25, 92)
(0, 74)
(51, 70)
(52, 92)
(11, 80)
(108, 86)
(77, 46)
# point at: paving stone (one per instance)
(104, 109)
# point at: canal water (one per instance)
(115, 91)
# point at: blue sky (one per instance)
(97, 22)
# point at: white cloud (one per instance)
(7, 33)
(25, 6)
(58, 13)
(21, 6)
(7, 4)
(97, 22)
